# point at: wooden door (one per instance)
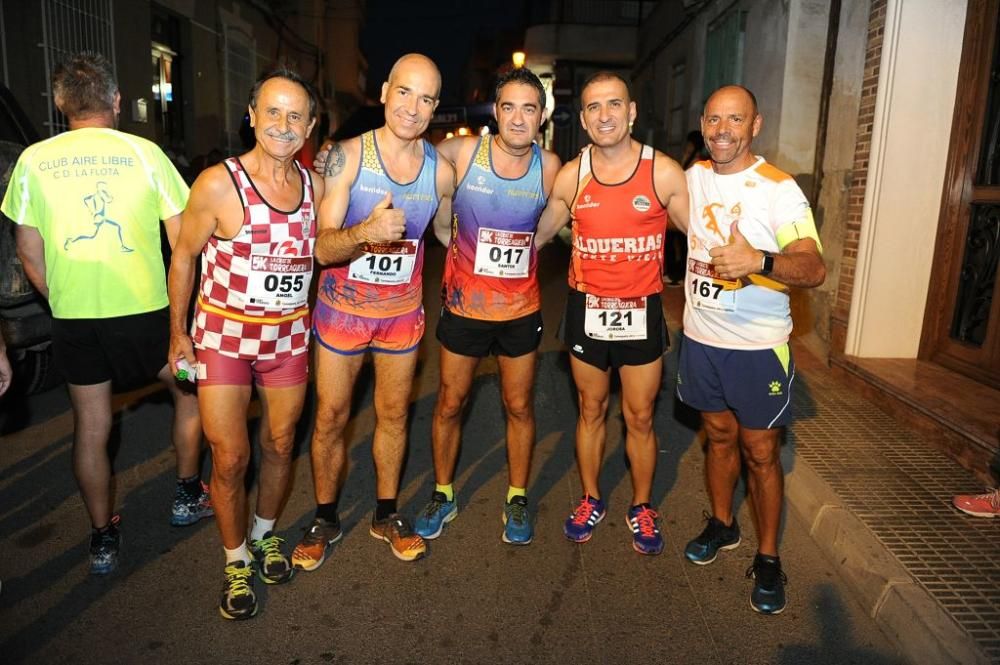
(962, 321)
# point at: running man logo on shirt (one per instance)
(97, 205)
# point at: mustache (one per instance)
(287, 135)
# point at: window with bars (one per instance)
(240, 73)
(724, 51)
(677, 119)
(70, 26)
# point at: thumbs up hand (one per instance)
(737, 259)
(384, 223)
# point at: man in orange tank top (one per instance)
(617, 193)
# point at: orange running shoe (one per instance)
(396, 530)
(315, 545)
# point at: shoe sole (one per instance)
(590, 534)
(723, 548)
(236, 617)
(401, 557)
(766, 612)
(977, 514)
(114, 566)
(450, 518)
(504, 538)
(646, 552)
(316, 564)
(188, 521)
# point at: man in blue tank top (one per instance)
(490, 291)
(382, 189)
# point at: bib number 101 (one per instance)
(384, 263)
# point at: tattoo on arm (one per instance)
(334, 161)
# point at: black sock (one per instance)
(384, 508)
(191, 486)
(327, 511)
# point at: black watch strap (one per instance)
(767, 265)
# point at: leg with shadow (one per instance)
(593, 386)
(517, 382)
(191, 498)
(640, 386)
(765, 483)
(722, 471)
(281, 408)
(457, 372)
(336, 375)
(393, 379)
(92, 467)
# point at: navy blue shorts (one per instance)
(755, 385)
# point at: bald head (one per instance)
(729, 123)
(735, 93)
(418, 63)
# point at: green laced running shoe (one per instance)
(273, 567)
(238, 600)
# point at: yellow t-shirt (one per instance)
(96, 197)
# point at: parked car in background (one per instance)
(25, 319)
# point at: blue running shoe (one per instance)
(643, 521)
(516, 521)
(105, 546)
(768, 595)
(714, 537)
(431, 520)
(579, 526)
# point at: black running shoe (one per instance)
(714, 537)
(768, 595)
(273, 567)
(238, 599)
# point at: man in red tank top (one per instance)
(617, 193)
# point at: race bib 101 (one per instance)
(609, 318)
(385, 263)
(504, 254)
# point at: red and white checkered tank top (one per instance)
(253, 298)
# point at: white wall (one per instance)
(913, 115)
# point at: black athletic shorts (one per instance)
(603, 354)
(127, 350)
(478, 339)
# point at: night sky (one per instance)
(444, 30)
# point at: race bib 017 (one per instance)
(504, 254)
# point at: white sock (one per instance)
(241, 553)
(260, 527)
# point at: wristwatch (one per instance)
(767, 263)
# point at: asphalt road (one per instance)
(474, 599)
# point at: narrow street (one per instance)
(474, 599)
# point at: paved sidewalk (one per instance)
(877, 499)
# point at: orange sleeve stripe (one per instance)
(772, 173)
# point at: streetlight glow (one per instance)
(518, 58)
